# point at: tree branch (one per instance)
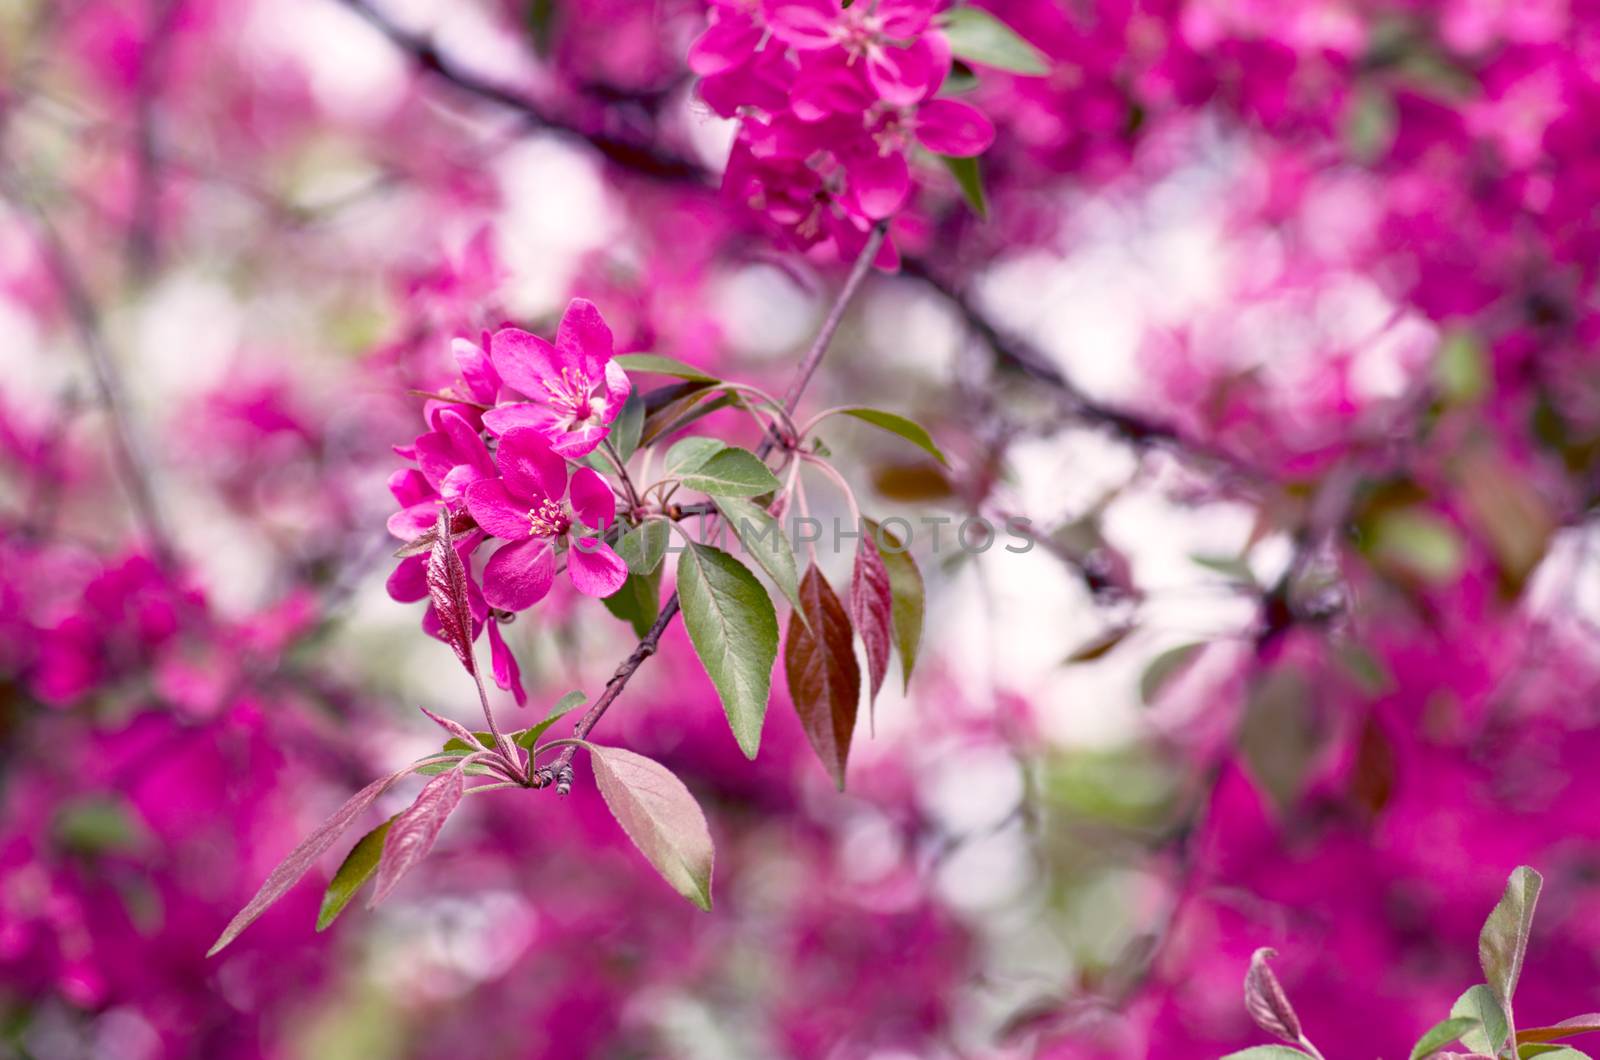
(1138, 431)
(629, 153)
(648, 160)
(559, 772)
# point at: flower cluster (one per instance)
(496, 455)
(830, 99)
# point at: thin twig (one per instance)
(130, 457)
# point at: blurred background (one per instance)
(1280, 333)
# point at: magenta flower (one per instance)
(533, 506)
(449, 458)
(577, 390)
(902, 59)
(478, 377)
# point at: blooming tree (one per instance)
(1173, 424)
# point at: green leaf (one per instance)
(1479, 1003)
(1554, 1051)
(1268, 1052)
(460, 747)
(660, 816)
(565, 705)
(433, 769)
(908, 599)
(910, 430)
(1279, 737)
(1503, 942)
(638, 602)
(1234, 568)
(979, 37)
(643, 547)
(1461, 368)
(1441, 1034)
(625, 432)
(688, 454)
(357, 867)
(970, 179)
(676, 417)
(651, 362)
(764, 541)
(541, 25)
(1417, 543)
(732, 472)
(1163, 668)
(735, 633)
(100, 824)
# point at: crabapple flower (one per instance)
(533, 506)
(889, 38)
(449, 458)
(478, 378)
(576, 389)
(830, 100)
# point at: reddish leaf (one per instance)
(454, 728)
(824, 681)
(1567, 1028)
(301, 857)
(1265, 1000)
(447, 588)
(660, 816)
(414, 830)
(872, 610)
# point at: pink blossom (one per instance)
(577, 390)
(534, 506)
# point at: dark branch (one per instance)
(636, 155)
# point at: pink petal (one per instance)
(497, 511)
(477, 371)
(803, 23)
(524, 361)
(435, 456)
(950, 127)
(582, 339)
(829, 88)
(903, 19)
(519, 575)
(465, 442)
(455, 484)
(579, 442)
(529, 466)
(879, 183)
(505, 418)
(902, 76)
(728, 42)
(595, 570)
(409, 523)
(408, 582)
(617, 388)
(409, 486)
(503, 664)
(591, 498)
